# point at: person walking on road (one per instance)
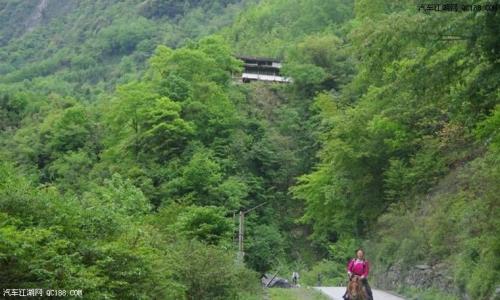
(295, 277)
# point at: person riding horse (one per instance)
(358, 269)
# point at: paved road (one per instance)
(336, 293)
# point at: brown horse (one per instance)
(355, 289)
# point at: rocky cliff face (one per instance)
(420, 276)
(36, 16)
(20, 17)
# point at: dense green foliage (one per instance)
(127, 149)
(420, 106)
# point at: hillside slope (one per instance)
(127, 150)
(83, 48)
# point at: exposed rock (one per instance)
(496, 294)
(422, 276)
(35, 18)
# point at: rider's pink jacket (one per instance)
(358, 267)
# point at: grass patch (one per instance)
(429, 294)
(296, 294)
(250, 296)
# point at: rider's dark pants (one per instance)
(368, 288)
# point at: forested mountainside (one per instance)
(85, 48)
(127, 148)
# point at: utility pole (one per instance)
(240, 237)
(241, 231)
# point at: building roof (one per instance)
(257, 58)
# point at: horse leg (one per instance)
(346, 295)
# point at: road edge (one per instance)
(318, 288)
